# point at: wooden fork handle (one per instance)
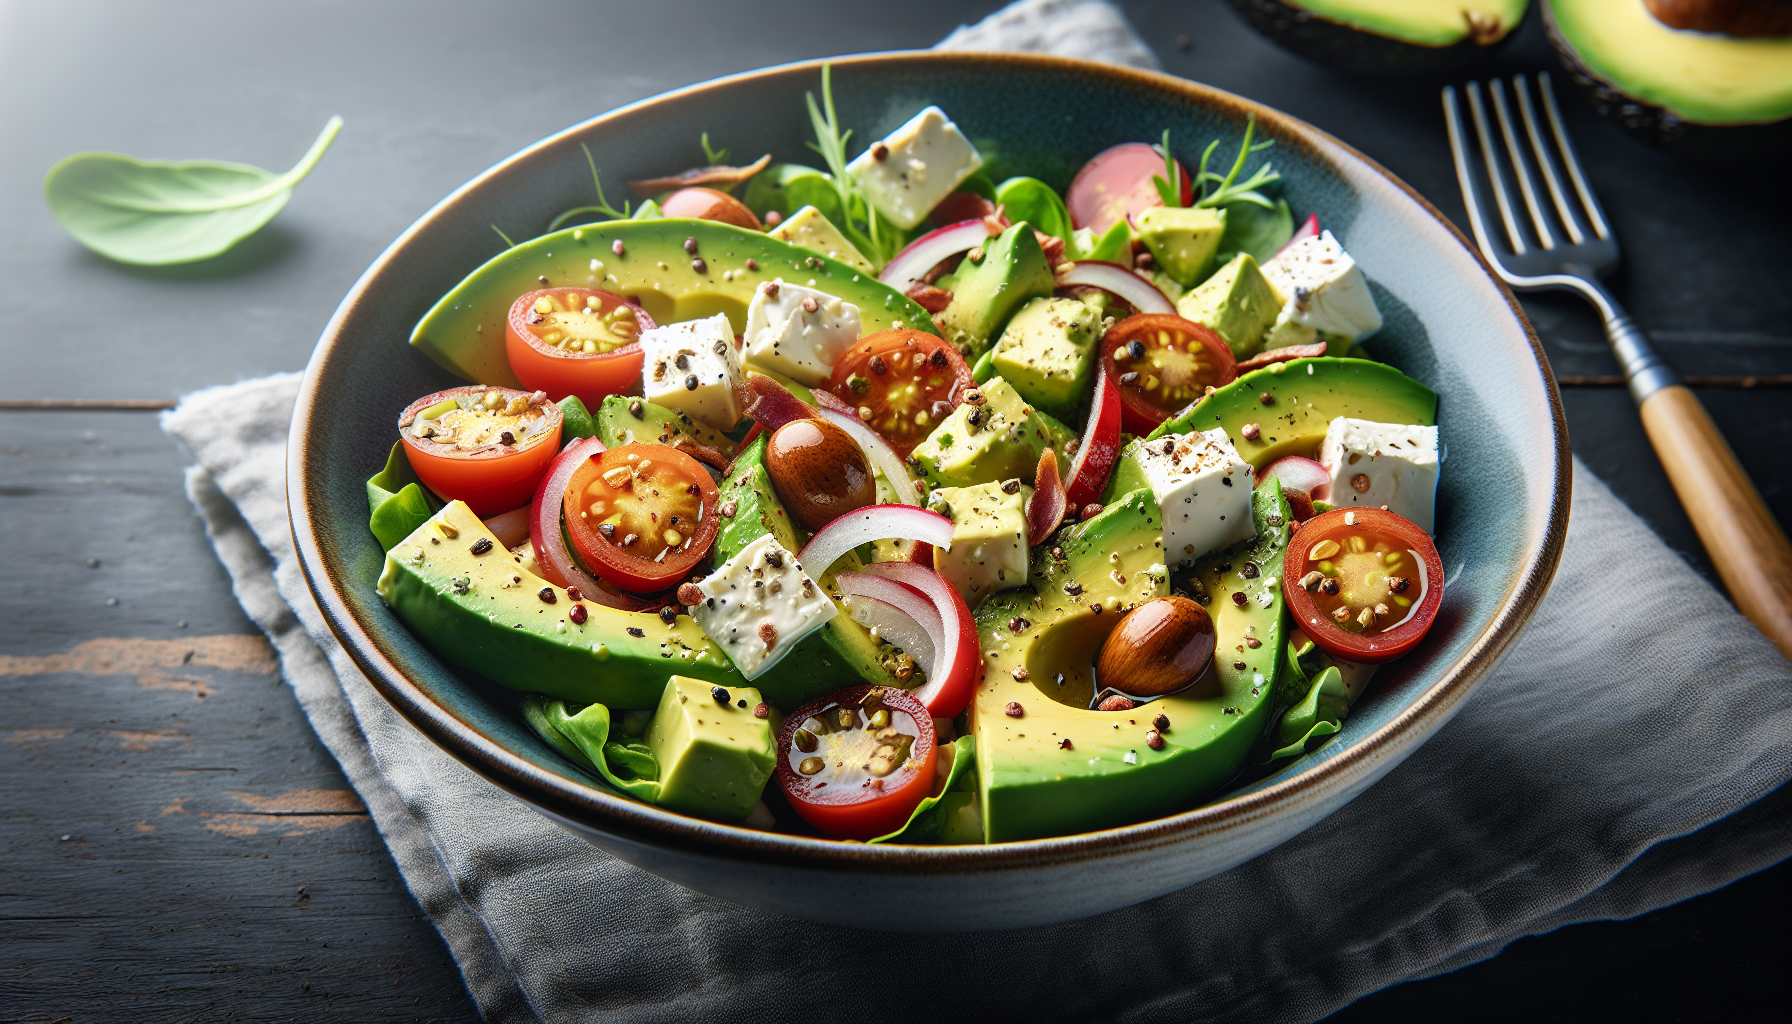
(1745, 543)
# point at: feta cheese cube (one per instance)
(989, 538)
(1322, 291)
(1376, 464)
(759, 605)
(1203, 490)
(907, 174)
(693, 367)
(798, 332)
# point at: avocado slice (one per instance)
(622, 420)
(1306, 395)
(814, 232)
(1047, 352)
(464, 331)
(485, 613)
(1237, 302)
(986, 293)
(841, 653)
(1005, 441)
(1699, 93)
(1380, 39)
(1182, 240)
(1060, 768)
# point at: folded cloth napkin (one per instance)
(1629, 752)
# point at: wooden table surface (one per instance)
(175, 842)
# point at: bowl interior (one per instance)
(1501, 503)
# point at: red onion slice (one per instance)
(1101, 444)
(1308, 229)
(906, 619)
(926, 252)
(950, 684)
(1297, 472)
(1046, 505)
(1129, 287)
(879, 452)
(512, 527)
(876, 522)
(551, 557)
(771, 405)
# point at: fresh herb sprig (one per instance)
(1214, 190)
(713, 156)
(870, 238)
(603, 208)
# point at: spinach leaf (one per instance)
(1253, 229)
(396, 500)
(1033, 201)
(156, 212)
(929, 817)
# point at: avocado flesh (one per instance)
(617, 426)
(1700, 77)
(510, 635)
(1006, 443)
(1238, 302)
(814, 232)
(464, 331)
(1423, 22)
(1378, 39)
(1182, 240)
(985, 294)
(1307, 395)
(714, 758)
(1047, 352)
(839, 654)
(1031, 785)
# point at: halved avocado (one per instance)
(1702, 94)
(464, 331)
(1375, 38)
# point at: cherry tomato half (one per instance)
(1161, 363)
(1116, 186)
(857, 763)
(902, 383)
(710, 204)
(576, 341)
(1363, 583)
(641, 516)
(485, 446)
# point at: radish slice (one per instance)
(1101, 445)
(551, 557)
(1308, 229)
(877, 522)
(1132, 289)
(1304, 474)
(926, 252)
(956, 664)
(512, 527)
(879, 452)
(1045, 508)
(905, 626)
(771, 405)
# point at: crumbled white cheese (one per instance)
(798, 332)
(693, 367)
(907, 173)
(759, 605)
(1322, 291)
(1203, 490)
(1375, 464)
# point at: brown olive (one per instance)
(1160, 647)
(819, 471)
(710, 204)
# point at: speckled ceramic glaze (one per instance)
(1448, 323)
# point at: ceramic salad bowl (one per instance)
(1448, 323)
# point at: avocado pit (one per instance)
(1160, 647)
(819, 471)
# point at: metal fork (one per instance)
(1559, 240)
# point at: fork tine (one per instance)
(1545, 237)
(1521, 88)
(1465, 177)
(1569, 159)
(1494, 178)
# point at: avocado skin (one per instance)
(1030, 786)
(1353, 51)
(510, 635)
(1659, 127)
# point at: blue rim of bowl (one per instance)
(606, 812)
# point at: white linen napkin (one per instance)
(1629, 752)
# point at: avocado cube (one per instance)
(985, 293)
(997, 439)
(1048, 352)
(1182, 240)
(808, 228)
(798, 332)
(692, 367)
(989, 538)
(714, 754)
(1237, 302)
(914, 167)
